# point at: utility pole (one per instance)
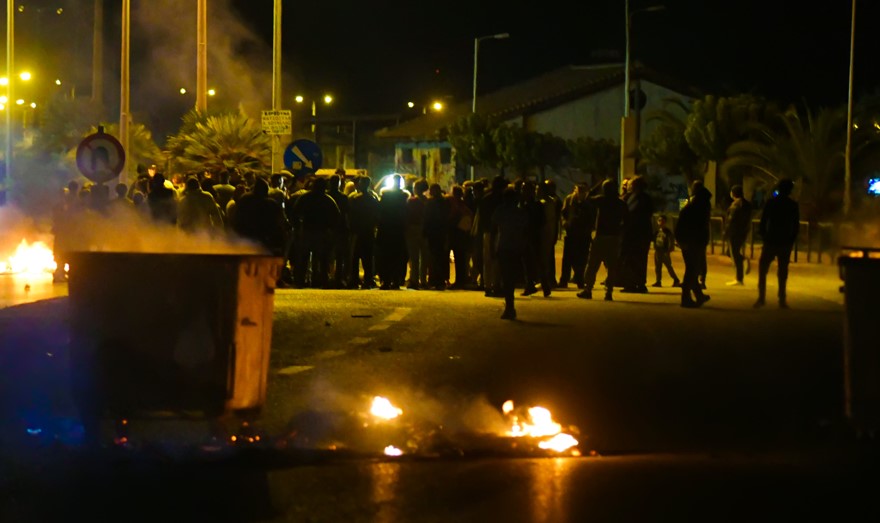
(10, 74)
(847, 178)
(202, 57)
(125, 87)
(276, 81)
(98, 53)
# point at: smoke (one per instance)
(130, 229)
(164, 56)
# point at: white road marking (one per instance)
(329, 354)
(398, 314)
(360, 341)
(380, 326)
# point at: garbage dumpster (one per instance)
(170, 332)
(860, 272)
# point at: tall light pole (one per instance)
(202, 56)
(98, 53)
(477, 40)
(276, 80)
(624, 149)
(847, 177)
(10, 32)
(125, 86)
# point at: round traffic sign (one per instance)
(303, 157)
(100, 157)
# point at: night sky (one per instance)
(376, 56)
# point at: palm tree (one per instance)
(219, 142)
(667, 147)
(808, 150)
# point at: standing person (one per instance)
(318, 216)
(739, 220)
(549, 235)
(637, 237)
(223, 191)
(692, 234)
(162, 201)
(260, 218)
(779, 229)
(528, 193)
(574, 242)
(461, 220)
(363, 210)
(391, 235)
(478, 189)
(416, 243)
(664, 244)
(197, 211)
(339, 244)
(510, 226)
(611, 216)
(436, 233)
(485, 210)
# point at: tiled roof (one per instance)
(548, 90)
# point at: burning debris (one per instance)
(388, 429)
(29, 258)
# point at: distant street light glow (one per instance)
(57, 82)
(25, 76)
(211, 92)
(437, 106)
(183, 90)
(3, 99)
(4, 81)
(33, 105)
(299, 99)
(328, 99)
(410, 104)
(19, 102)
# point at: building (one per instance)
(571, 102)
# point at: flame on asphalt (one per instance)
(382, 408)
(537, 422)
(30, 258)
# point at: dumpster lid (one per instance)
(859, 252)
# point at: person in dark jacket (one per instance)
(664, 244)
(510, 223)
(363, 208)
(391, 235)
(736, 230)
(611, 216)
(692, 235)
(436, 233)
(637, 237)
(317, 216)
(485, 210)
(779, 229)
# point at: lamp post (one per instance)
(847, 177)
(626, 80)
(477, 40)
(10, 18)
(327, 99)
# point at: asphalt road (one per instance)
(737, 407)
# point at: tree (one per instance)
(515, 149)
(63, 124)
(594, 156)
(218, 143)
(667, 146)
(471, 138)
(809, 150)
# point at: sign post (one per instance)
(100, 157)
(302, 158)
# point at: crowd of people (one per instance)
(489, 235)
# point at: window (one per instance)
(406, 155)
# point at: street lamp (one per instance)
(477, 40)
(624, 141)
(327, 99)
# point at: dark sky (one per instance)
(376, 55)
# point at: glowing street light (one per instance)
(57, 82)
(327, 99)
(183, 90)
(25, 76)
(212, 92)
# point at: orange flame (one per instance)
(391, 450)
(30, 258)
(539, 424)
(382, 408)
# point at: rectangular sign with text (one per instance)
(276, 122)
